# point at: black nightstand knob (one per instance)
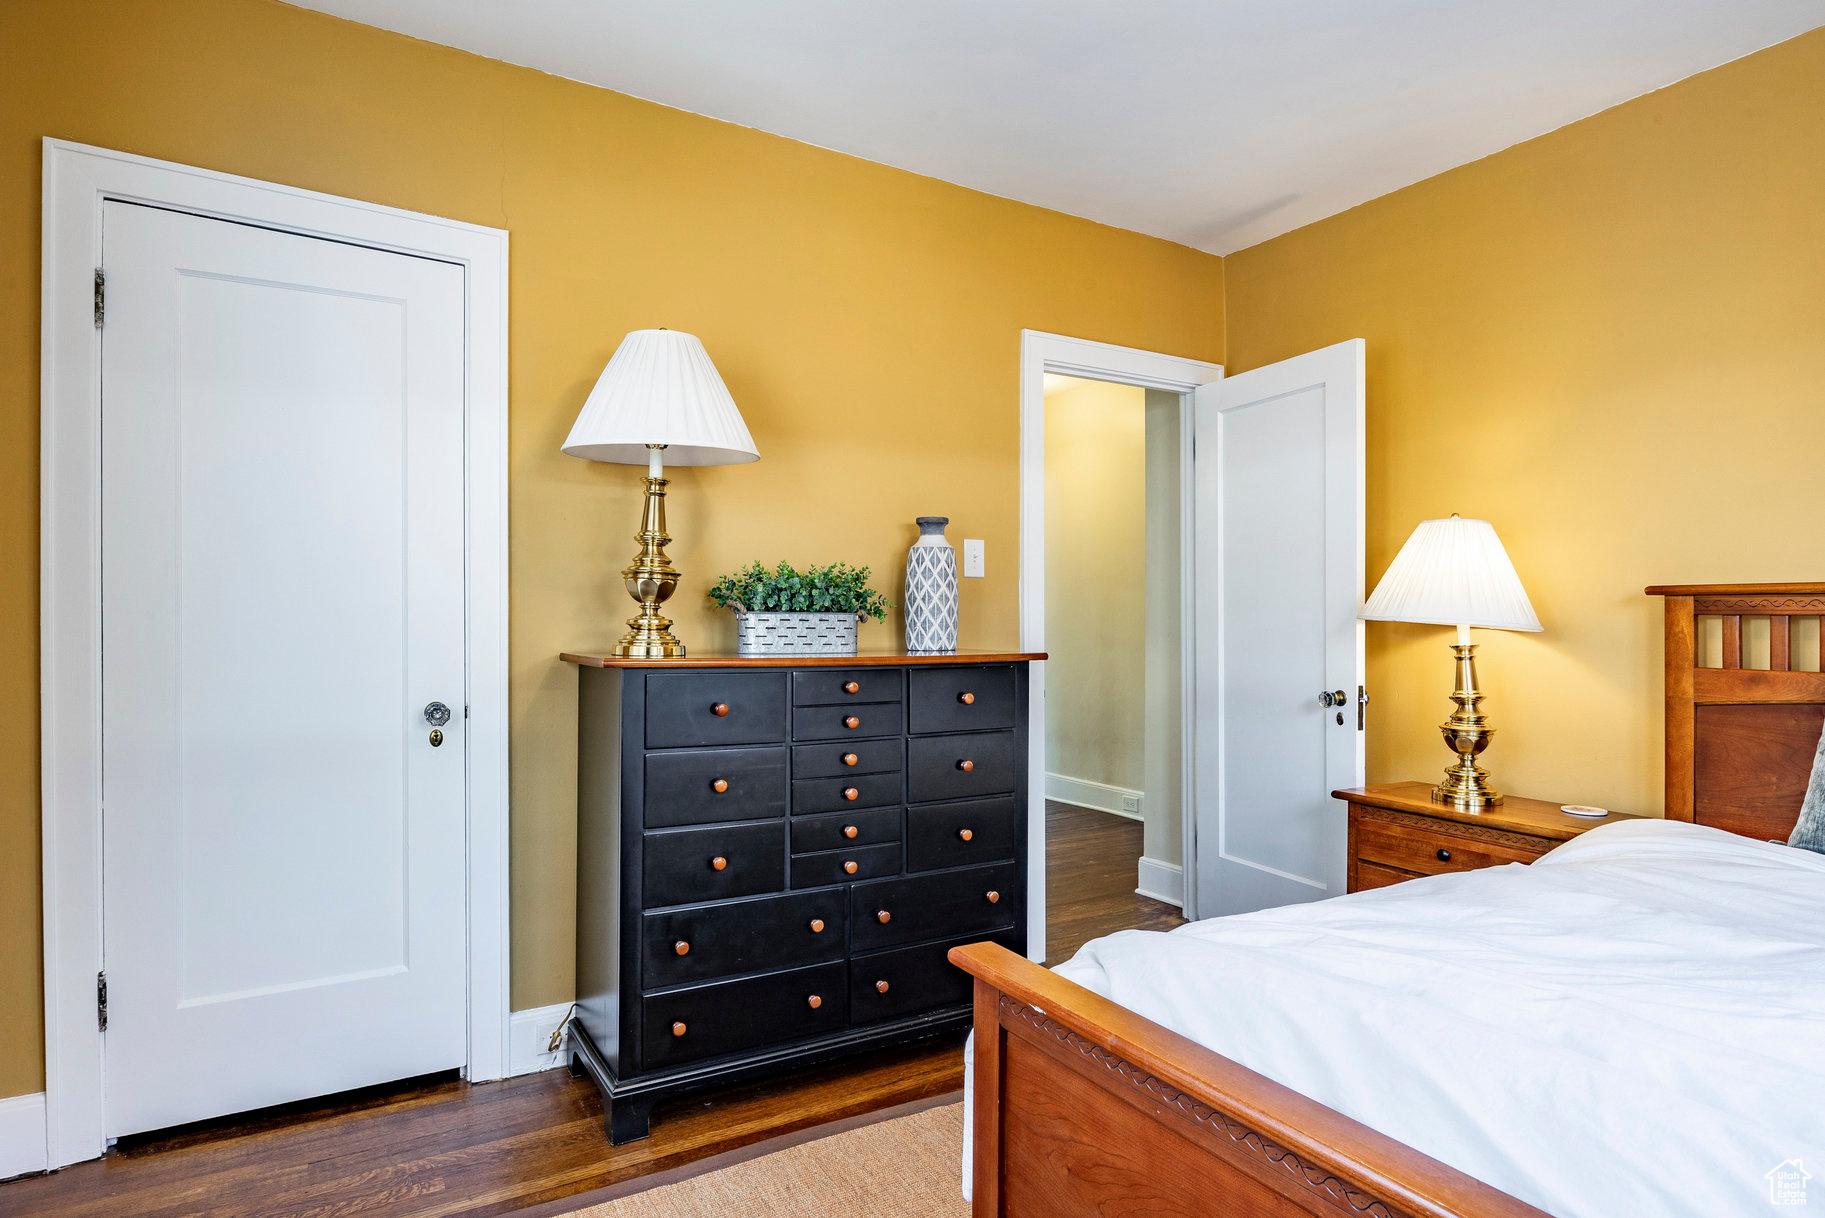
(1444, 856)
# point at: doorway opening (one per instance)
(1113, 712)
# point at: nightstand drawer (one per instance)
(1431, 851)
(1373, 875)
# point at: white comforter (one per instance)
(1632, 1027)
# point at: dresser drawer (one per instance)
(811, 833)
(904, 982)
(696, 786)
(846, 722)
(848, 757)
(819, 686)
(959, 699)
(728, 1016)
(680, 867)
(742, 937)
(1371, 875)
(887, 913)
(834, 794)
(841, 866)
(1431, 852)
(953, 835)
(698, 708)
(954, 767)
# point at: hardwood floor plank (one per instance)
(440, 1148)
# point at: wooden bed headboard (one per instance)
(1740, 740)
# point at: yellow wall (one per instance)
(1609, 341)
(1096, 514)
(867, 321)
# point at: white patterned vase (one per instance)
(931, 589)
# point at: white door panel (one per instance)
(282, 594)
(1279, 567)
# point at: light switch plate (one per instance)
(972, 557)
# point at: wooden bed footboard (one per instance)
(1083, 1107)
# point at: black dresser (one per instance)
(774, 856)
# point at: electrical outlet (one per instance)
(1131, 803)
(972, 557)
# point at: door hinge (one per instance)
(101, 1001)
(101, 293)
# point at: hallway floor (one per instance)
(1090, 875)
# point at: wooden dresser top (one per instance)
(1515, 814)
(866, 659)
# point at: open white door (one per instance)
(1278, 567)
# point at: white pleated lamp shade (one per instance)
(1452, 572)
(660, 388)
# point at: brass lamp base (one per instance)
(1467, 733)
(651, 580)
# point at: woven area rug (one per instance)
(906, 1167)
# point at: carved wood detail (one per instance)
(1780, 606)
(1481, 833)
(1282, 1161)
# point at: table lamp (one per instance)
(658, 399)
(1454, 572)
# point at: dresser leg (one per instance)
(576, 1065)
(629, 1119)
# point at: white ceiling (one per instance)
(1215, 123)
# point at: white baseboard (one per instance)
(528, 1032)
(1097, 796)
(1161, 881)
(22, 1136)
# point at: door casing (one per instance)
(1041, 353)
(78, 179)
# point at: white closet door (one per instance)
(1278, 561)
(282, 522)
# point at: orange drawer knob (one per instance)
(814, 1002)
(682, 948)
(851, 794)
(817, 926)
(720, 785)
(678, 1029)
(720, 709)
(850, 759)
(718, 863)
(851, 687)
(965, 834)
(849, 867)
(880, 987)
(851, 722)
(967, 698)
(966, 765)
(992, 895)
(883, 917)
(850, 830)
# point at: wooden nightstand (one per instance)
(1398, 833)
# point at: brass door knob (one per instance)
(850, 759)
(880, 987)
(682, 948)
(850, 687)
(965, 834)
(851, 722)
(720, 785)
(849, 867)
(882, 916)
(817, 926)
(966, 765)
(678, 1028)
(720, 709)
(850, 830)
(992, 895)
(814, 1002)
(718, 863)
(851, 794)
(967, 698)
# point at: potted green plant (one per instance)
(785, 611)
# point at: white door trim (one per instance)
(77, 180)
(1041, 353)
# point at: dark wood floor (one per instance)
(1090, 877)
(441, 1148)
